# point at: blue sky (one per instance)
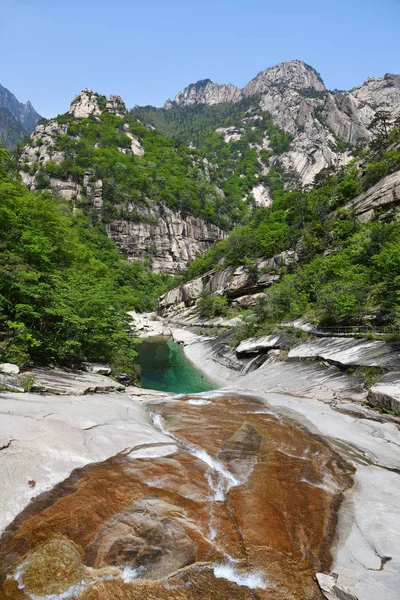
(147, 51)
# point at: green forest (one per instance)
(64, 286)
(238, 164)
(347, 272)
(167, 173)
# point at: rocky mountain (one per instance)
(324, 126)
(169, 182)
(156, 198)
(17, 120)
(11, 131)
(205, 92)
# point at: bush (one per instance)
(64, 287)
(220, 306)
(209, 307)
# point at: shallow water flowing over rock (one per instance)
(244, 508)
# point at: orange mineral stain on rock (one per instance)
(244, 509)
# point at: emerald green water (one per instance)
(164, 367)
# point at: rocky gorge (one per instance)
(276, 477)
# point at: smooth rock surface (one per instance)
(9, 368)
(239, 476)
(349, 352)
(366, 553)
(386, 392)
(63, 381)
(258, 344)
(43, 438)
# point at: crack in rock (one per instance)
(7, 445)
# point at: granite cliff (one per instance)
(143, 227)
(324, 125)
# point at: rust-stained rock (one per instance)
(245, 506)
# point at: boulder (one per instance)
(9, 369)
(386, 392)
(248, 300)
(257, 345)
(97, 368)
(68, 381)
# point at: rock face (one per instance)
(40, 150)
(233, 282)
(386, 392)
(295, 96)
(236, 283)
(205, 92)
(88, 104)
(116, 106)
(383, 196)
(169, 239)
(261, 195)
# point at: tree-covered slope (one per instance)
(137, 166)
(64, 287)
(348, 268)
(239, 139)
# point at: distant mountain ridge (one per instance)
(17, 119)
(324, 125)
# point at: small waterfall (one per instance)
(219, 478)
(252, 579)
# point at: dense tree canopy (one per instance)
(64, 287)
(347, 271)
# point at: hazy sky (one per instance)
(147, 51)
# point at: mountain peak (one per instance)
(24, 113)
(205, 91)
(292, 74)
(90, 103)
(86, 104)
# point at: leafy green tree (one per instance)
(64, 287)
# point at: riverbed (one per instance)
(283, 486)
